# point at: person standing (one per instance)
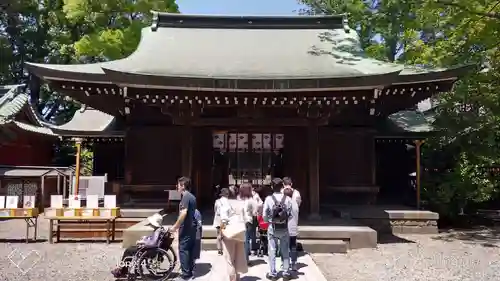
(186, 225)
(249, 213)
(233, 246)
(293, 228)
(277, 212)
(287, 183)
(219, 205)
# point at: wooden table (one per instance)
(110, 225)
(29, 215)
(31, 222)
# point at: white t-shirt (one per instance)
(221, 211)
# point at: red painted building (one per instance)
(18, 146)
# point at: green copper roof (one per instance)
(246, 53)
(412, 121)
(12, 101)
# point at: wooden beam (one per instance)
(313, 145)
(271, 122)
(187, 151)
(77, 171)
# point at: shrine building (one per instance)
(226, 99)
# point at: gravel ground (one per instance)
(56, 262)
(454, 255)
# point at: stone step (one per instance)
(310, 246)
(89, 234)
(355, 236)
(138, 213)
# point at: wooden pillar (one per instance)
(313, 145)
(127, 158)
(77, 170)
(374, 162)
(187, 150)
(418, 145)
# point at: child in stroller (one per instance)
(262, 229)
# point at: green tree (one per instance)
(442, 33)
(69, 31)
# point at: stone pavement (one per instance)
(211, 267)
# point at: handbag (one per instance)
(234, 230)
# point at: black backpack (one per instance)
(280, 213)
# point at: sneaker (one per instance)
(286, 276)
(271, 276)
(294, 267)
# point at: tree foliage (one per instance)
(65, 32)
(69, 31)
(442, 33)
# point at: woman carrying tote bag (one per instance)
(233, 237)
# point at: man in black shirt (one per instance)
(187, 226)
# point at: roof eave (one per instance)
(55, 73)
(448, 75)
(234, 84)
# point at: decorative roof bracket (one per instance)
(345, 23)
(156, 20)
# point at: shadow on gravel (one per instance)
(387, 238)
(22, 241)
(487, 237)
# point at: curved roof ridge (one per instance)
(165, 19)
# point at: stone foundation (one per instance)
(385, 220)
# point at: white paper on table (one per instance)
(105, 213)
(69, 213)
(110, 201)
(87, 212)
(56, 201)
(2, 202)
(50, 212)
(4, 214)
(93, 201)
(74, 203)
(29, 201)
(12, 202)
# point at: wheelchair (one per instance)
(148, 261)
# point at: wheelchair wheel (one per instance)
(173, 255)
(155, 265)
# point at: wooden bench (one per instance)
(58, 221)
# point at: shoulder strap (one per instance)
(274, 199)
(283, 199)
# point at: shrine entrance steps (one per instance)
(332, 236)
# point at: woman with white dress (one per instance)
(233, 236)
